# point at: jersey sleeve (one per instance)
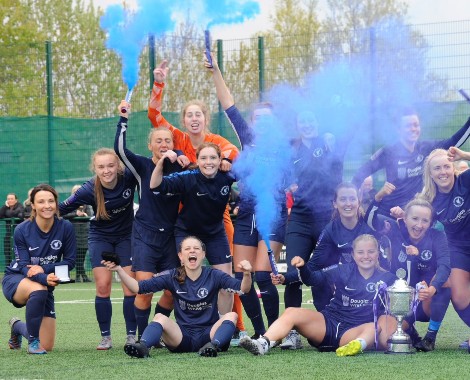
(130, 159)
(443, 259)
(83, 196)
(376, 162)
(229, 151)
(155, 107)
(316, 277)
(228, 283)
(23, 258)
(155, 284)
(322, 251)
(457, 139)
(174, 183)
(238, 123)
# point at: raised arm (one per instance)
(223, 93)
(157, 174)
(456, 154)
(155, 103)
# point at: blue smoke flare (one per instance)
(127, 30)
(262, 168)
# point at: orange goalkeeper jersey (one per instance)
(181, 139)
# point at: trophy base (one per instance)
(400, 345)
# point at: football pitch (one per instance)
(75, 355)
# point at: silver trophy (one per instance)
(400, 297)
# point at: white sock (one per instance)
(363, 343)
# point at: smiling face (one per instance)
(44, 205)
(194, 119)
(409, 130)
(346, 202)
(11, 200)
(417, 220)
(106, 167)
(160, 141)
(307, 125)
(191, 253)
(441, 171)
(366, 254)
(208, 161)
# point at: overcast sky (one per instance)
(420, 12)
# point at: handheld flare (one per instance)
(127, 99)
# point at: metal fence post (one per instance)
(220, 62)
(261, 67)
(50, 113)
(373, 89)
(151, 58)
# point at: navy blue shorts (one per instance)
(10, 285)
(247, 234)
(153, 251)
(302, 237)
(192, 341)
(120, 246)
(459, 258)
(334, 331)
(217, 247)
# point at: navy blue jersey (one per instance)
(403, 168)
(335, 244)
(453, 210)
(195, 302)
(246, 138)
(432, 264)
(155, 213)
(353, 298)
(119, 203)
(47, 249)
(204, 199)
(316, 171)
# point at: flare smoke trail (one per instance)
(262, 169)
(127, 30)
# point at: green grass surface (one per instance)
(75, 355)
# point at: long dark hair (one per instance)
(181, 271)
(43, 187)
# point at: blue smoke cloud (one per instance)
(128, 30)
(229, 11)
(262, 168)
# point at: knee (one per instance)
(143, 301)
(160, 318)
(231, 316)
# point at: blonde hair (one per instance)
(429, 186)
(101, 212)
(204, 108)
(365, 237)
(154, 130)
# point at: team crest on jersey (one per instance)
(419, 158)
(402, 256)
(202, 293)
(126, 193)
(458, 201)
(371, 287)
(426, 255)
(318, 152)
(182, 304)
(347, 258)
(56, 244)
(224, 190)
